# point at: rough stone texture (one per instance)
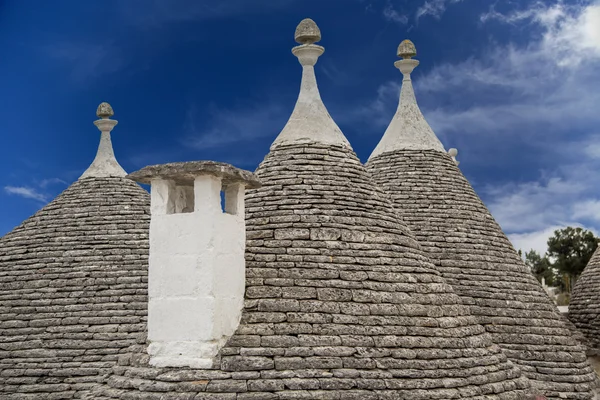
(470, 250)
(73, 289)
(408, 129)
(307, 32)
(584, 307)
(184, 173)
(104, 110)
(340, 303)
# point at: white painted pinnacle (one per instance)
(310, 121)
(105, 164)
(408, 129)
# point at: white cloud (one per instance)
(570, 33)
(534, 206)
(536, 240)
(541, 93)
(435, 8)
(27, 192)
(51, 181)
(589, 209)
(390, 14)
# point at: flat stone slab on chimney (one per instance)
(184, 173)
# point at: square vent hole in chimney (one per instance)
(184, 199)
(229, 198)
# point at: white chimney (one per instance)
(196, 277)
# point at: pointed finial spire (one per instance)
(408, 129)
(310, 121)
(105, 164)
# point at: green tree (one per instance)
(539, 266)
(570, 249)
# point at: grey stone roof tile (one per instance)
(584, 307)
(73, 282)
(341, 303)
(476, 258)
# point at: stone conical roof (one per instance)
(72, 289)
(476, 258)
(584, 307)
(340, 302)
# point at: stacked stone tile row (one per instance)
(73, 285)
(476, 258)
(584, 307)
(340, 303)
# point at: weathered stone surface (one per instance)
(73, 282)
(185, 172)
(344, 321)
(584, 307)
(476, 258)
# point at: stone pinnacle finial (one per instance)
(407, 49)
(104, 111)
(310, 121)
(408, 129)
(105, 164)
(307, 32)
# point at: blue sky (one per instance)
(514, 85)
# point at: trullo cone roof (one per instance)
(73, 286)
(584, 307)
(340, 301)
(474, 256)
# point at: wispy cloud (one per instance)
(392, 15)
(536, 93)
(44, 183)
(224, 127)
(26, 192)
(87, 60)
(570, 33)
(435, 8)
(543, 86)
(531, 206)
(38, 190)
(380, 110)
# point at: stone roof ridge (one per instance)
(105, 164)
(310, 121)
(408, 129)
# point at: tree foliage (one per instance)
(539, 266)
(570, 249)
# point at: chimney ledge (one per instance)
(184, 173)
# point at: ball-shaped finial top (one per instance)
(104, 110)
(452, 152)
(307, 32)
(407, 49)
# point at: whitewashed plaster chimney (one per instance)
(196, 274)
